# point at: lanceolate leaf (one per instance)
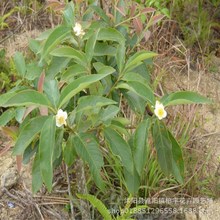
(137, 59)
(97, 204)
(136, 103)
(7, 96)
(46, 151)
(7, 116)
(101, 13)
(132, 181)
(58, 143)
(78, 85)
(69, 152)
(143, 90)
(120, 57)
(185, 97)
(178, 162)
(133, 76)
(57, 64)
(92, 101)
(103, 49)
(68, 14)
(88, 149)
(36, 174)
(90, 45)
(69, 52)
(108, 113)
(20, 64)
(163, 146)
(73, 71)
(120, 148)
(26, 98)
(111, 34)
(57, 35)
(51, 89)
(28, 133)
(140, 145)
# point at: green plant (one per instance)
(3, 23)
(160, 5)
(197, 23)
(121, 213)
(73, 95)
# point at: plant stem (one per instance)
(70, 194)
(81, 187)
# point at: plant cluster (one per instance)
(72, 95)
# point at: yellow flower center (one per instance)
(61, 120)
(160, 112)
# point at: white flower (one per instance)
(159, 110)
(61, 117)
(78, 30)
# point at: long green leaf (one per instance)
(111, 34)
(132, 181)
(68, 14)
(69, 52)
(27, 98)
(140, 145)
(51, 90)
(108, 113)
(137, 59)
(178, 162)
(58, 144)
(143, 90)
(37, 181)
(56, 36)
(101, 13)
(28, 133)
(88, 149)
(69, 152)
(92, 101)
(46, 151)
(57, 64)
(163, 146)
(185, 97)
(97, 204)
(20, 64)
(73, 71)
(5, 97)
(120, 148)
(104, 49)
(120, 57)
(136, 103)
(29, 152)
(78, 85)
(33, 71)
(7, 116)
(90, 45)
(134, 77)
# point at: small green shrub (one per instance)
(73, 93)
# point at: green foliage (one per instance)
(87, 148)
(73, 103)
(125, 213)
(6, 77)
(160, 5)
(197, 21)
(97, 204)
(3, 18)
